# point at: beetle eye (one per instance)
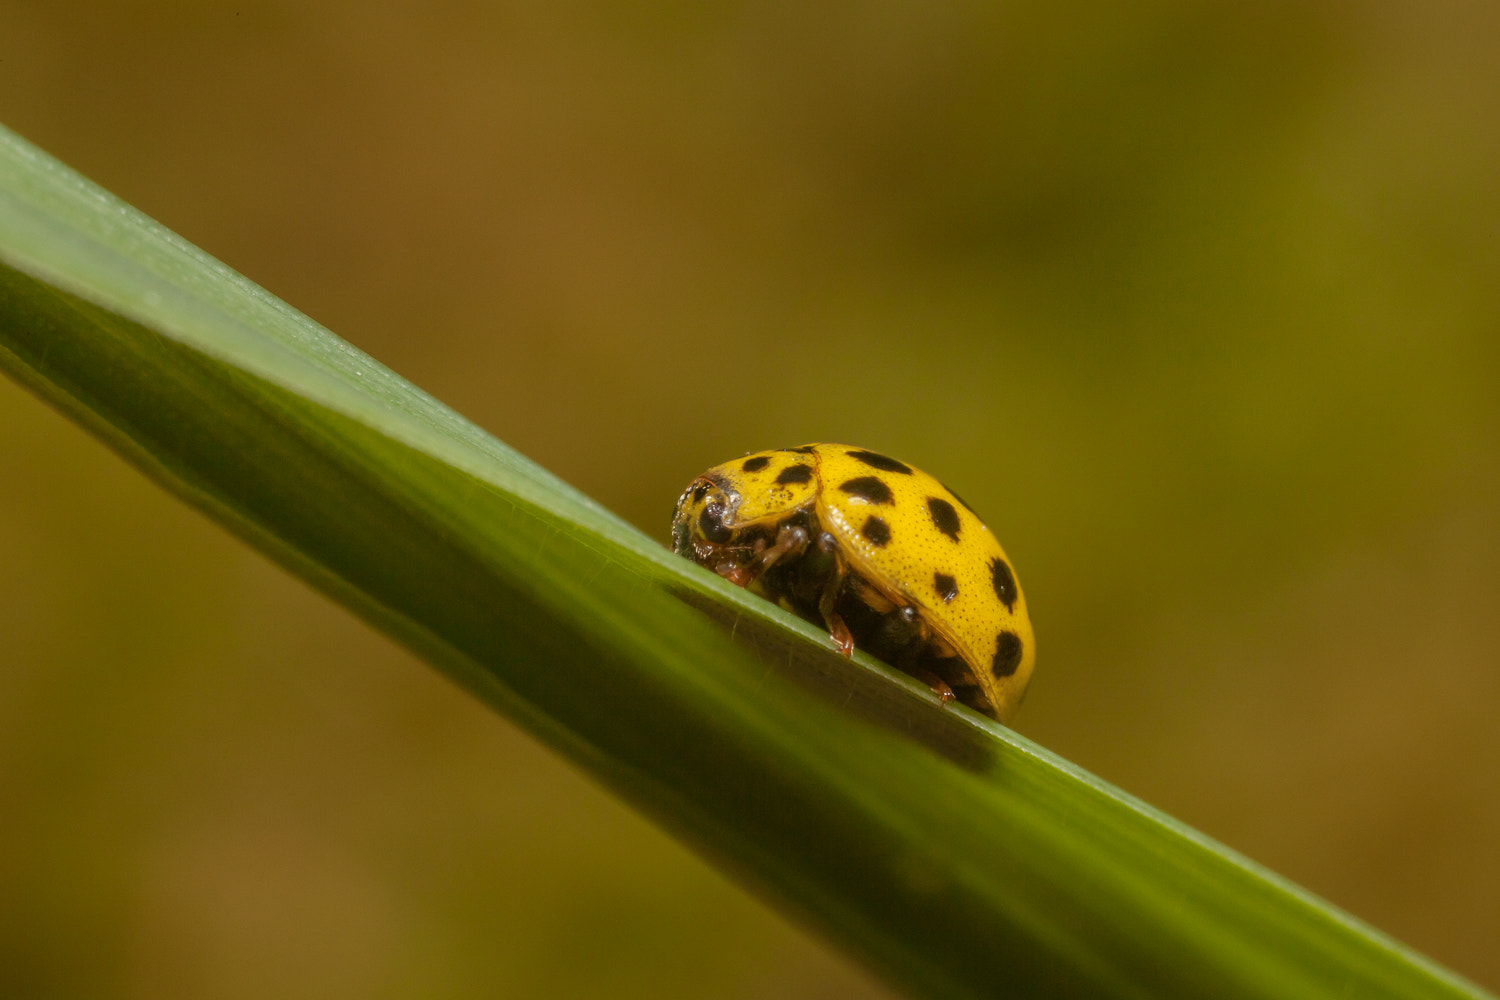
(711, 523)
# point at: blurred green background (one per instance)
(1199, 303)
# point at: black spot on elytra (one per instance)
(876, 532)
(1005, 583)
(1008, 651)
(944, 516)
(869, 489)
(794, 474)
(806, 449)
(876, 461)
(711, 524)
(755, 464)
(947, 587)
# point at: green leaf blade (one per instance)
(944, 850)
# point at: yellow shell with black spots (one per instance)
(879, 553)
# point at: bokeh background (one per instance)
(1199, 302)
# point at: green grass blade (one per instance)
(951, 855)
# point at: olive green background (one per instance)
(1199, 304)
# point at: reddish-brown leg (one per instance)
(939, 686)
(837, 630)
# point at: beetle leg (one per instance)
(791, 541)
(837, 630)
(919, 640)
(939, 686)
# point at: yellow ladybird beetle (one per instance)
(881, 554)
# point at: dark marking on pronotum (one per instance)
(806, 449)
(1008, 651)
(876, 532)
(755, 464)
(699, 491)
(877, 461)
(794, 474)
(1005, 583)
(947, 587)
(869, 489)
(944, 516)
